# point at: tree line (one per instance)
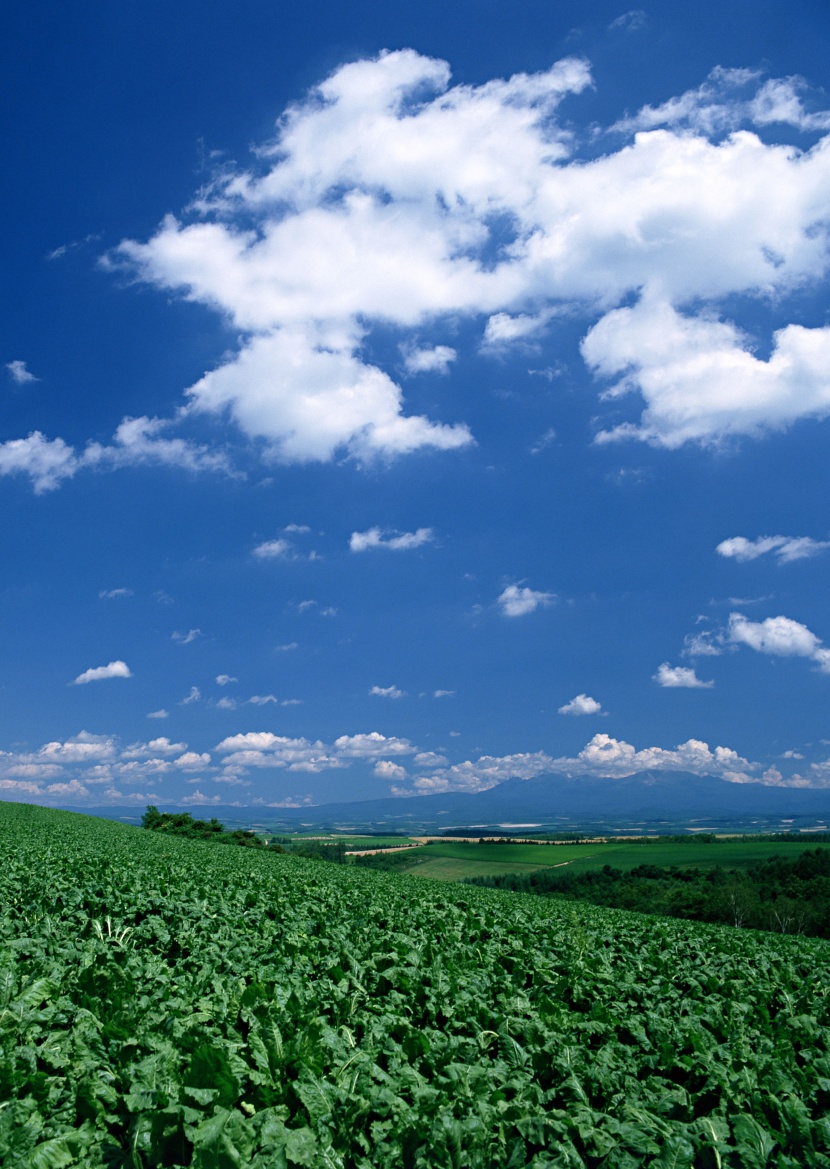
(785, 895)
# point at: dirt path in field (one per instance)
(394, 848)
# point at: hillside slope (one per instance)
(169, 1002)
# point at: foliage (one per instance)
(785, 894)
(183, 824)
(166, 1002)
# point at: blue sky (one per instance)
(405, 401)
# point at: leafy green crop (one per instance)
(164, 1002)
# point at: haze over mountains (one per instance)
(555, 801)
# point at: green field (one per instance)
(170, 1002)
(451, 860)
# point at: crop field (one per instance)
(168, 1002)
(454, 860)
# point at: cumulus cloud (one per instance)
(193, 695)
(117, 669)
(263, 749)
(198, 798)
(387, 162)
(784, 548)
(603, 757)
(137, 442)
(162, 713)
(162, 746)
(699, 379)
(19, 373)
(262, 699)
(706, 644)
(515, 601)
(729, 98)
(114, 594)
(274, 550)
(430, 359)
(371, 745)
(385, 769)
(225, 679)
(680, 677)
(191, 759)
(387, 692)
(391, 199)
(394, 542)
(780, 637)
(582, 704)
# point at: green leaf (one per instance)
(210, 1068)
(300, 1146)
(753, 1143)
(677, 1153)
(224, 1141)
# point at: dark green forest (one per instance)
(790, 896)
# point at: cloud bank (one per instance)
(390, 198)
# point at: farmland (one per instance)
(168, 1002)
(456, 860)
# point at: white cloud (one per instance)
(199, 797)
(700, 380)
(225, 679)
(503, 330)
(274, 550)
(724, 102)
(443, 693)
(391, 199)
(117, 669)
(387, 692)
(400, 542)
(48, 462)
(227, 703)
(582, 704)
(706, 644)
(159, 713)
(19, 373)
(186, 638)
(192, 759)
(785, 548)
(779, 636)
(262, 699)
(431, 359)
(680, 677)
(603, 757)
(155, 747)
(193, 695)
(516, 601)
(430, 759)
(385, 769)
(264, 749)
(72, 787)
(369, 746)
(286, 647)
(114, 594)
(81, 748)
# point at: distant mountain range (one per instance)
(554, 802)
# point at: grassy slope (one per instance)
(267, 1011)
